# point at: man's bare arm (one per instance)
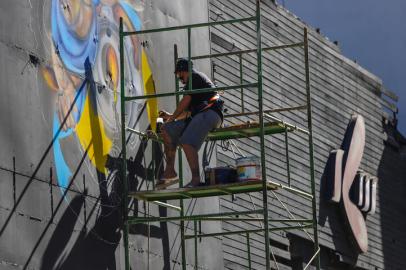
(181, 109)
(165, 115)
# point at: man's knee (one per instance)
(189, 147)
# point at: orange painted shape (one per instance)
(49, 78)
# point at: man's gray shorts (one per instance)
(196, 131)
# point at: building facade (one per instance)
(60, 202)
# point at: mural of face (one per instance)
(86, 31)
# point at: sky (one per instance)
(371, 32)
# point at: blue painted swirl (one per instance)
(73, 50)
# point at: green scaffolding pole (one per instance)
(311, 155)
(261, 135)
(264, 49)
(123, 151)
(189, 26)
(196, 91)
(180, 172)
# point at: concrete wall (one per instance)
(60, 135)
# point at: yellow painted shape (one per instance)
(149, 88)
(91, 134)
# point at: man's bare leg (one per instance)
(193, 160)
(170, 152)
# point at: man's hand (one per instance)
(170, 119)
(180, 111)
(165, 116)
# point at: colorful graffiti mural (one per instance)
(86, 31)
(84, 77)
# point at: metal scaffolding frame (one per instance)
(279, 127)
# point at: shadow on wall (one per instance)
(96, 248)
(346, 221)
(331, 212)
(392, 194)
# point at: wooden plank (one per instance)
(200, 192)
(246, 130)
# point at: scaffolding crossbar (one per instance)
(193, 91)
(272, 48)
(204, 191)
(287, 109)
(135, 220)
(285, 228)
(189, 26)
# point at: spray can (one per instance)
(159, 123)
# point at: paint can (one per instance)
(248, 169)
(159, 123)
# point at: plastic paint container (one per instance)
(248, 169)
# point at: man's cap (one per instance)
(183, 65)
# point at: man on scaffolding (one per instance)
(195, 116)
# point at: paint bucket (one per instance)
(248, 169)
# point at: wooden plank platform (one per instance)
(246, 130)
(199, 192)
